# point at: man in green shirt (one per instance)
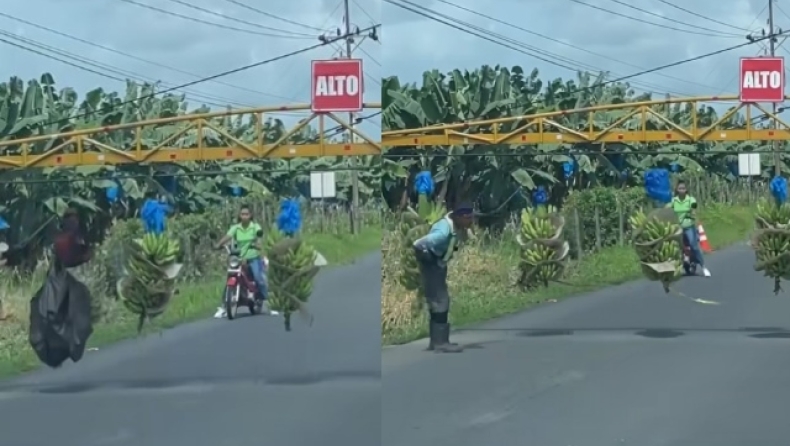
(245, 235)
(685, 207)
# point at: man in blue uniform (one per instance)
(433, 253)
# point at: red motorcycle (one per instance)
(240, 286)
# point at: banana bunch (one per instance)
(771, 241)
(291, 274)
(150, 275)
(657, 240)
(543, 251)
(415, 224)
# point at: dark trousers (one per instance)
(434, 282)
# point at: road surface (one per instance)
(216, 382)
(623, 366)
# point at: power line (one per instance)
(372, 59)
(132, 56)
(234, 19)
(287, 71)
(98, 73)
(537, 53)
(208, 99)
(270, 15)
(561, 42)
(648, 22)
(327, 41)
(217, 25)
(678, 22)
(701, 16)
(618, 79)
(372, 20)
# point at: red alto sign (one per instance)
(762, 79)
(337, 85)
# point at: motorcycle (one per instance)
(240, 287)
(689, 262)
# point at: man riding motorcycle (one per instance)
(245, 235)
(685, 207)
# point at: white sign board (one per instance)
(749, 164)
(322, 185)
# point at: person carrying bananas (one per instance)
(433, 252)
(245, 234)
(685, 207)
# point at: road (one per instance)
(216, 382)
(624, 366)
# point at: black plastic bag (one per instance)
(60, 318)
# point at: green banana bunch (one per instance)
(543, 252)
(151, 272)
(771, 241)
(658, 243)
(290, 275)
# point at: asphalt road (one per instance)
(628, 365)
(217, 382)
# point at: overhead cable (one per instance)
(234, 19)
(561, 42)
(273, 16)
(214, 24)
(675, 21)
(659, 25)
(328, 41)
(702, 16)
(137, 58)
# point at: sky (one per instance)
(581, 36)
(193, 49)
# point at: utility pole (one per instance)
(353, 38)
(351, 138)
(772, 49)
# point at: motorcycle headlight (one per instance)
(234, 262)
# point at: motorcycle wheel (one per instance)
(253, 305)
(231, 299)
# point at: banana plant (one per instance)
(496, 176)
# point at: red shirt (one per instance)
(70, 251)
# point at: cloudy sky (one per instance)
(622, 39)
(149, 44)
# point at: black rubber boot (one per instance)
(440, 339)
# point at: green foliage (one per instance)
(611, 204)
(31, 199)
(494, 176)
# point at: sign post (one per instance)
(337, 86)
(762, 79)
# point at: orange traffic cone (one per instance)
(703, 239)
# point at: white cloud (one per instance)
(418, 44)
(195, 48)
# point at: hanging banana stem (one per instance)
(658, 240)
(544, 253)
(292, 272)
(150, 276)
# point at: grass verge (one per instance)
(195, 301)
(481, 278)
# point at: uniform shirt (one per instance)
(244, 238)
(683, 209)
(440, 240)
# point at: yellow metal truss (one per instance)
(82, 147)
(639, 122)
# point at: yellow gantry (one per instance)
(636, 122)
(96, 147)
